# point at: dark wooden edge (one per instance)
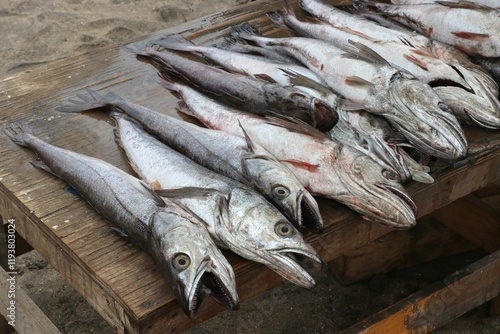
(439, 303)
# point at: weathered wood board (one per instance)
(120, 281)
(439, 303)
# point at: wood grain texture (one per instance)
(119, 280)
(28, 318)
(473, 219)
(439, 303)
(427, 241)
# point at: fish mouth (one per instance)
(308, 212)
(209, 283)
(483, 111)
(294, 265)
(486, 122)
(390, 153)
(325, 117)
(401, 195)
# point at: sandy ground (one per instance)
(40, 31)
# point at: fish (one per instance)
(469, 27)
(374, 136)
(232, 156)
(251, 94)
(236, 45)
(487, 3)
(256, 66)
(411, 106)
(190, 261)
(324, 167)
(237, 217)
(492, 65)
(417, 60)
(462, 86)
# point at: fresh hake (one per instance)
(180, 244)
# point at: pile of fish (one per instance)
(349, 109)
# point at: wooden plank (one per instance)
(439, 303)
(473, 219)
(18, 308)
(427, 241)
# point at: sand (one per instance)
(35, 32)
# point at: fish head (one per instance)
(257, 231)
(372, 135)
(191, 262)
(282, 188)
(373, 190)
(425, 120)
(474, 109)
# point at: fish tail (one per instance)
(277, 17)
(18, 132)
(93, 101)
(174, 42)
(169, 83)
(244, 30)
(184, 108)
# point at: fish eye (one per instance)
(443, 107)
(181, 261)
(281, 192)
(284, 229)
(389, 174)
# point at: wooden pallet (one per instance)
(119, 280)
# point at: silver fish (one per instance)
(256, 66)
(492, 65)
(373, 136)
(237, 217)
(180, 244)
(411, 106)
(419, 61)
(233, 156)
(324, 167)
(421, 52)
(470, 27)
(488, 3)
(251, 94)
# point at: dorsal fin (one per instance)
(361, 51)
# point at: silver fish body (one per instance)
(488, 3)
(419, 61)
(373, 136)
(479, 87)
(324, 167)
(236, 216)
(472, 29)
(233, 156)
(180, 244)
(249, 93)
(411, 106)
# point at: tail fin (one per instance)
(244, 30)
(277, 17)
(175, 42)
(168, 83)
(17, 132)
(85, 103)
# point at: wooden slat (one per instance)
(427, 241)
(438, 304)
(473, 219)
(27, 317)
